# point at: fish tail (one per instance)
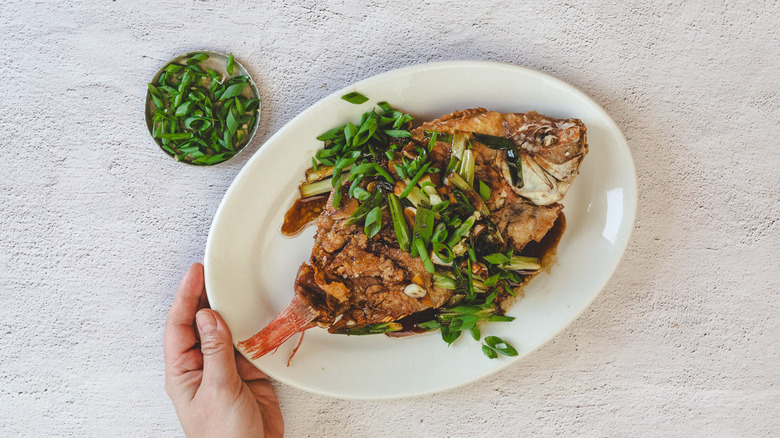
(295, 318)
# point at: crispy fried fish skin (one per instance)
(551, 150)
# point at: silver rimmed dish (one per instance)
(216, 61)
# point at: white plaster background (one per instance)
(97, 225)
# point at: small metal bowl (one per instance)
(217, 61)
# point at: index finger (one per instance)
(180, 325)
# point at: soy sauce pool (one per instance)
(302, 213)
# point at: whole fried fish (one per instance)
(353, 281)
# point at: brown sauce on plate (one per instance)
(302, 213)
(410, 322)
(547, 248)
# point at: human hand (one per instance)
(215, 390)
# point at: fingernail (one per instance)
(206, 321)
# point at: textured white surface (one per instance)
(98, 225)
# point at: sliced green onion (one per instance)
(360, 194)
(414, 181)
(453, 164)
(332, 134)
(349, 132)
(399, 222)
(423, 253)
(366, 130)
(500, 346)
(464, 322)
(398, 133)
(429, 325)
(416, 197)
(492, 280)
(423, 229)
(320, 172)
(401, 171)
(337, 194)
(501, 318)
(177, 136)
(192, 104)
(508, 289)
(430, 190)
(233, 91)
(385, 174)
(497, 258)
(479, 286)
(373, 222)
(484, 191)
(371, 329)
(462, 230)
(444, 281)
(197, 58)
(442, 253)
(468, 167)
(355, 98)
(458, 145)
(230, 64)
(441, 136)
(175, 68)
(462, 184)
(459, 182)
(489, 352)
(448, 335)
(360, 169)
(355, 189)
(384, 106)
(318, 188)
(438, 208)
(479, 312)
(423, 224)
(463, 201)
(515, 168)
(521, 263)
(475, 334)
(156, 96)
(439, 233)
(197, 124)
(432, 142)
(494, 142)
(232, 123)
(470, 277)
(362, 211)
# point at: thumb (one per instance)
(216, 344)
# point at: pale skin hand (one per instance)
(215, 390)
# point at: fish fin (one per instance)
(298, 316)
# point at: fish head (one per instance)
(550, 157)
